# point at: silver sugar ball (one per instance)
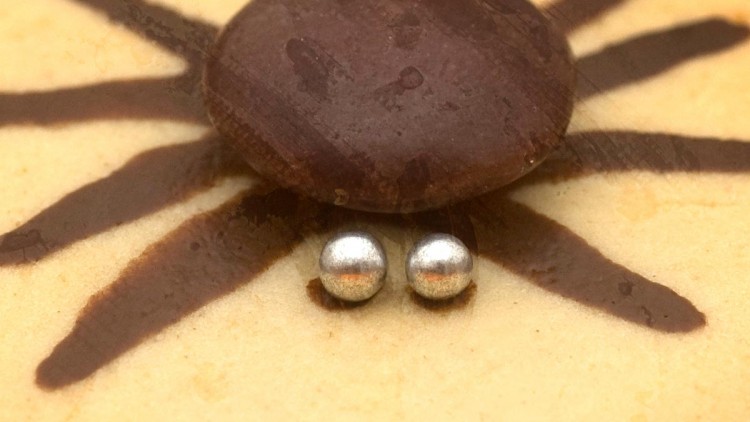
(353, 266)
(439, 267)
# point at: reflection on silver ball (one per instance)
(353, 266)
(439, 267)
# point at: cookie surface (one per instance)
(144, 274)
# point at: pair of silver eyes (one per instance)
(353, 266)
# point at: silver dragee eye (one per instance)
(353, 266)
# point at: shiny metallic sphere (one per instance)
(353, 266)
(439, 267)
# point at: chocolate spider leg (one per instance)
(147, 183)
(207, 257)
(654, 53)
(657, 152)
(617, 151)
(453, 220)
(554, 258)
(168, 98)
(187, 37)
(569, 15)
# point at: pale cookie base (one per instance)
(517, 352)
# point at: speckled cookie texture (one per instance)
(147, 273)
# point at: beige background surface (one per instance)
(516, 351)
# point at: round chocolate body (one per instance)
(391, 105)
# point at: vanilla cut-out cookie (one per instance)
(147, 272)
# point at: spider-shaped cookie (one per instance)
(214, 254)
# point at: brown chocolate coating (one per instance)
(387, 105)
